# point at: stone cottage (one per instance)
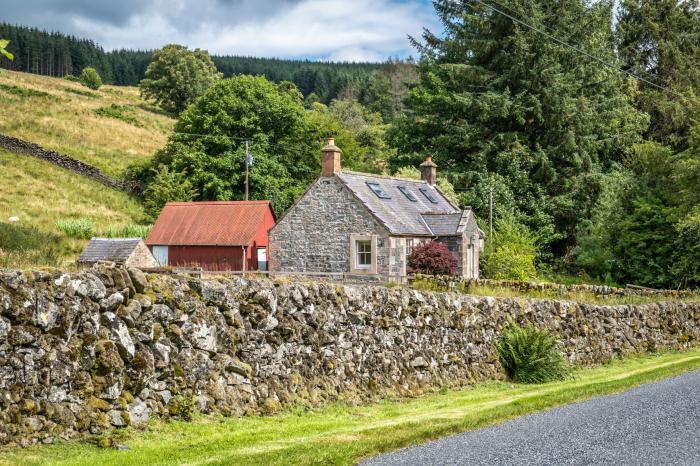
(362, 225)
(131, 252)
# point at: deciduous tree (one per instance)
(177, 76)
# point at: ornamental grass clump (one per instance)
(80, 228)
(531, 355)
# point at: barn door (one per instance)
(160, 253)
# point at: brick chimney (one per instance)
(330, 158)
(428, 171)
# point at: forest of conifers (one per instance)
(57, 54)
(582, 117)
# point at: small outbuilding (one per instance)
(131, 252)
(213, 235)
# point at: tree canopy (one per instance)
(500, 105)
(177, 76)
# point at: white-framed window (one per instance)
(363, 254)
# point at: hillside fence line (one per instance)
(20, 146)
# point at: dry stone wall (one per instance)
(20, 146)
(108, 347)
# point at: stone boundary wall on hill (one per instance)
(450, 282)
(20, 146)
(108, 347)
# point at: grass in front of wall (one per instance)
(62, 115)
(585, 297)
(341, 434)
(42, 195)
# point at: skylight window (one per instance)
(378, 190)
(409, 195)
(428, 195)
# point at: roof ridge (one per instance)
(388, 177)
(184, 203)
(115, 239)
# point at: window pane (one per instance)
(378, 190)
(429, 195)
(364, 253)
(409, 195)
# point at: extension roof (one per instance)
(210, 223)
(399, 214)
(109, 249)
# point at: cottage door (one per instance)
(262, 259)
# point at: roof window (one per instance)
(378, 190)
(409, 195)
(428, 195)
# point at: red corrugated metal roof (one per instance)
(210, 223)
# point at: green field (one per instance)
(40, 194)
(109, 128)
(342, 434)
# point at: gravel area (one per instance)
(655, 424)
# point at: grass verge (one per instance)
(343, 435)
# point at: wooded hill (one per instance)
(57, 54)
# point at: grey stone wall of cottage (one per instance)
(109, 347)
(314, 236)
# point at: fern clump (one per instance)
(531, 355)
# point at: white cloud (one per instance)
(357, 30)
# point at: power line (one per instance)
(583, 52)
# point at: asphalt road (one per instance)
(655, 424)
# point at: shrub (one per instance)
(80, 228)
(128, 231)
(166, 186)
(530, 355)
(91, 78)
(71, 78)
(432, 258)
(92, 95)
(119, 112)
(512, 256)
(23, 91)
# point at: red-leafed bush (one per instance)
(432, 258)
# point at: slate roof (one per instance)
(444, 224)
(109, 249)
(209, 223)
(400, 215)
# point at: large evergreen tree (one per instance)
(659, 40)
(502, 105)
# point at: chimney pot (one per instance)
(330, 158)
(428, 171)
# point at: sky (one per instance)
(338, 30)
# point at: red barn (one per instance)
(213, 235)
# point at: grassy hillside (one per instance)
(109, 128)
(40, 195)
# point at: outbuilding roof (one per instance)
(401, 205)
(210, 223)
(109, 249)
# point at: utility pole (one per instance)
(247, 159)
(491, 216)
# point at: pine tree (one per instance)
(660, 41)
(499, 103)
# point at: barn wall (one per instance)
(206, 257)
